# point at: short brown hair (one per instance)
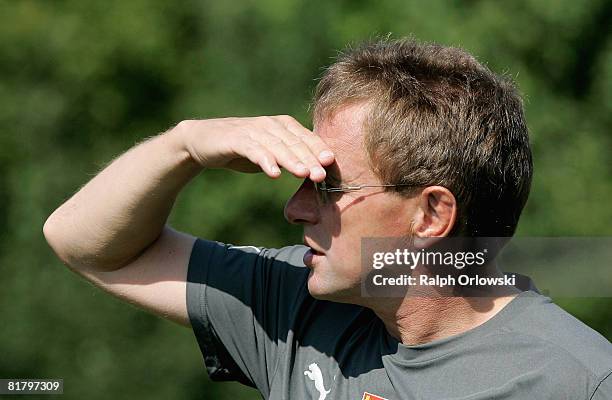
(438, 117)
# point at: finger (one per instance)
(317, 146)
(283, 154)
(298, 148)
(301, 149)
(261, 156)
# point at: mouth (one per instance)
(313, 247)
(312, 254)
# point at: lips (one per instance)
(311, 254)
(313, 247)
(308, 256)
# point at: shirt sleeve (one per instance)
(241, 300)
(604, 389)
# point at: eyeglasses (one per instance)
(323, 190)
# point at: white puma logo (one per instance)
(315, 375)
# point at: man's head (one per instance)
(421, 115)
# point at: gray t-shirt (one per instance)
(257, 324)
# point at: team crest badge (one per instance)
(370, 396)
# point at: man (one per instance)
(411, 141)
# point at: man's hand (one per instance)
(112, 231)
(256, 144)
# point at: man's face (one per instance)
(334, 230)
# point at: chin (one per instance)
(316, 290)
(321, 291)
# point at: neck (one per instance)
(431, 316)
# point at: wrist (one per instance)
(179, 139)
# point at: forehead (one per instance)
(343, 133)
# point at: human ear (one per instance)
(437, 212)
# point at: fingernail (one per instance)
(275, 170)
(300, 166)
(326, 154)
(319, 171)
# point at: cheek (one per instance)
(344, 258)
(345, 251)
(355, 221)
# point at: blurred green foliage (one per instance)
(82, 81)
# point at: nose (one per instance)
(302, 207)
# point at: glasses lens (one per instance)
(321, 193)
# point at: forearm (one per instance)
(122, 210)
